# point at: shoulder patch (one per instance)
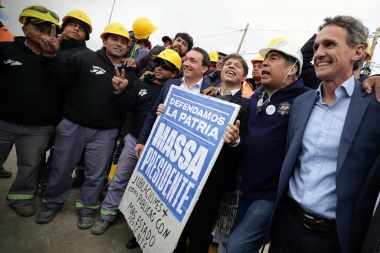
(284, 108)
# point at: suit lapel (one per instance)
(354, 116)
(305, 110)
(204, 85)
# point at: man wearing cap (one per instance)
(93, 109)
(142, 28)
(333, 145)
(77, 27)
(167, 41)
(29, 105)
(264, 147)
(140, 97)
(254, 83)
(182, 44)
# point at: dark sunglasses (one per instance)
(43, 10)
(164, 65)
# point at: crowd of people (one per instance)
(305, 142)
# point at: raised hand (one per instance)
(372, 82)
(210, 91)
(119, 82)
(129, 62)
(50, 44)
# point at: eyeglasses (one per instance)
(43, 10)
(164, 65)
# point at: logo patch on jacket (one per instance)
(97, 70)
(12, 62)
(143, 92)
(284, 108)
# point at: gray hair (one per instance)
(357, 32)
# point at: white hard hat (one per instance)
(284, 46)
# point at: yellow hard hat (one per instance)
(39, 14)
(259, 58)
(80, 15)
(171, 56)
(368, 51)
(118, 29)
(143, 28)
(213, 56)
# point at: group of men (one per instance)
(310, 157)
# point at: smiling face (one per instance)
(192, 66)
(75, 31)
(116, 46)
(219, 63)
(275, 70)
(212, 68)
(333, 57)
(233, 72)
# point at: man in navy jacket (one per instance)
(94, 106)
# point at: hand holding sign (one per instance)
(160, 109)
(231, 133)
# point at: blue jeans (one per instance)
(250, 226)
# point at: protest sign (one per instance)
(173, 168)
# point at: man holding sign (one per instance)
(199, 225)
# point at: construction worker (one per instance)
(167, 41)
(77, 27)
(252, 84)
(141, 97)
(142, 29)
(182, 44)
(92, 112)
(213, 58)
(29, 105)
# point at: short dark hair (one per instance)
(206, 58)
(357, 32)
(187, 38)
(237, 56)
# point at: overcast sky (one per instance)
(213, 23)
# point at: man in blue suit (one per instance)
(195, 65)
(333, 142)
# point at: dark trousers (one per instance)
(372, 241)
(198, 227)
(290, 235)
